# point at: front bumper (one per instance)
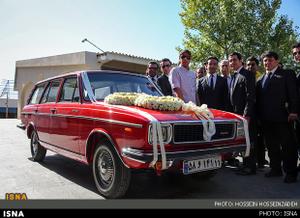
(21, 126)
(143, 157)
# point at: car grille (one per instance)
(194, 132)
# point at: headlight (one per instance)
(240, 132)
(166, 133)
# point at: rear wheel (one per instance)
(38, 152)
(112, 178)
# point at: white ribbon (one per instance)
(157, 138)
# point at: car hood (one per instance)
(164, 116)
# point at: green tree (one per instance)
(219, 27)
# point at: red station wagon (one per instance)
(67, 114)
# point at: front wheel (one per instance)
(38, 152)
(112, 178)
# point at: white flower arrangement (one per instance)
(165, 103)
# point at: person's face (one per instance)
(252, 66)
(165, 67)
(270, 63)
(296, 54)
(212, 66)
(152, 70)
(224, 68)
(185, 60)
(234, 62)
(200, 72)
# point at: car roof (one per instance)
(77, 73)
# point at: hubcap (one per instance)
(105, 167)
(35, 144)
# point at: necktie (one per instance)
(153, 79)
(212, 81)
(267, 80)
(233, 80)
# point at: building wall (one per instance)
(29, 72)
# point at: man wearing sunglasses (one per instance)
(163, 80)
(183, 81)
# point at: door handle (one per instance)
(53, 110)
(35, 110)
(75, 111)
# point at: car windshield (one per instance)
(105, 83)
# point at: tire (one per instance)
(38, 152)
(111, 177)
(204, 175)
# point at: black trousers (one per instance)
(282, 146)
(260, 148)
(297, 132)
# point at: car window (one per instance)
(70, 91)
(51, 92)
(104, 84)
(36, 96)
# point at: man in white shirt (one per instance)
(182, 80)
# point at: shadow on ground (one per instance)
(143, 185)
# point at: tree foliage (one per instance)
(219, 27)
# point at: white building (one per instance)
(28, 72)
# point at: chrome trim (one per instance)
(27, 113)
(87, 86)
(111, 141)
(203, 141)
(170, 132)
(135, 125)
(21, 126)
(139, 153)
(200, 121)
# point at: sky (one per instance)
(147, 28)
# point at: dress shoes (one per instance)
(273, 173)
(290, 178)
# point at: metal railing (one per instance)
(7, 92)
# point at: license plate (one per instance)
(203, 164)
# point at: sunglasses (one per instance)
(152, 68)
(295, 53)
(164, 66)
(185, 57)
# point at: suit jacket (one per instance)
(164, 84)
(214, 98)
(278, 98)
(242, 97)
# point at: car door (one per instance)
(65, 118)
(31, 111)
(46, 110)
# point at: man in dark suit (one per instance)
(212, 88)
(277, 101)
(296, 56)
(259, 147)
(163, 81)
(242, 99)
